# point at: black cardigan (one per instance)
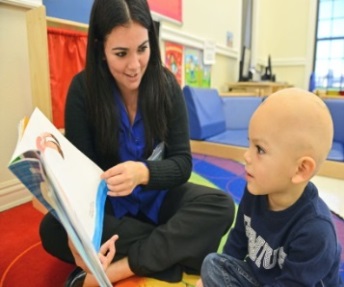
(173, 170)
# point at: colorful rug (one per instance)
(23, 261)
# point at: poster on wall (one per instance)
(229, 39)
(209, 52)
(174, 59)
(171, 8)
(206, 76)
(196, 74)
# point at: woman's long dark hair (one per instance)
(154, 100)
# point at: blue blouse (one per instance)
(131, 147)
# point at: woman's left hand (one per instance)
(124, 177)
(107, 252)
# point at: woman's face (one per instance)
(127, 54)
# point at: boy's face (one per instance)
(290, 135)
(270, 160)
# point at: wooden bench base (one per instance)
(329, 168)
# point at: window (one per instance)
(329, 45)
(245, 63)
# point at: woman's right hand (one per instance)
(122, 178)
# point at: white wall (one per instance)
(286, 31)
(15, 96)
(212, 21)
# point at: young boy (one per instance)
(284, 234)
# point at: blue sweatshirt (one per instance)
(294, 247)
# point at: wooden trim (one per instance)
(333, 169)
(66, 24)
(39, 60)
(239, 94)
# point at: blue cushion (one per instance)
(336, 152)
(238, 111)
(336, 107)
(205, 111)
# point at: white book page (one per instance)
(78, 176)
(51, 166)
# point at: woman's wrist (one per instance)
(144, 173)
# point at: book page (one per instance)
(64, 179)
(78, 176)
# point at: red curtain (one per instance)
(67, 55)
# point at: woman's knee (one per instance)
(224, 205)
(54, 238)
(47, 230)
(228, 206)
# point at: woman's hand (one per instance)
(124, 177)
(107, 252)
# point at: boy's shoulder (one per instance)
(311, 197)
(310, 206)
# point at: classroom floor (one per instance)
(332, 192)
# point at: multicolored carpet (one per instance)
(23, 261)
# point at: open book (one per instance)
(66, 182)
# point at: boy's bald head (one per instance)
(301, 120)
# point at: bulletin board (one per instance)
(171, 8)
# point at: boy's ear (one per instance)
(305, 169)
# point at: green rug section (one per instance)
(195, 178)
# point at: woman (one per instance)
(122, 111)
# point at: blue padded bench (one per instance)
(225, 120)
(219, 125)
(216, 119)
(336, 107)
(206, 114)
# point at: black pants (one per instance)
(192, 221)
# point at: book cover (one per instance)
(66, 182)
